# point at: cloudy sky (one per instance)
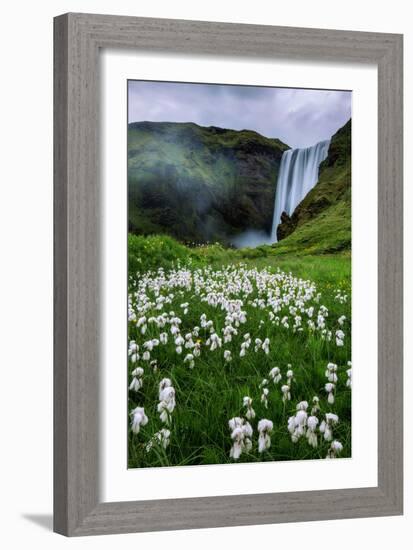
(298, 117)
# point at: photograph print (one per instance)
(239, 274)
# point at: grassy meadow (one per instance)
(239, 355)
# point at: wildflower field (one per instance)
(236, 355)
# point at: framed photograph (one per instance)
(228, 274)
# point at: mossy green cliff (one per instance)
(200, 184)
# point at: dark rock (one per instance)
(286, 227)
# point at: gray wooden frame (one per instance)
(78, 39)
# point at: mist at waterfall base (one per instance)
(297, 176)
(251, 238)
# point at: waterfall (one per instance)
(298, 175)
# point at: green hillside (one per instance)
(200, 184)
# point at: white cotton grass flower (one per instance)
(301, 424)
(245, 344)
(348, 381)
(247, 341)
(329, 388)
(179, 342)
(331, 373)
(312, 422)
(324, 311)
(189, 343)
(215, 340)
(138, 419)
(149, 345)
(189, 358)
(227, 356)
(241, 434)
(291, 424)
(161, 438)
(284, 322)
(166, 404)
(164, 383)
(266, 346)
(247, 403)
(196, 352)
(297, 324)
(258, 344)
(316, 406)
(335, 449)
(297, 425)
(141, 321)
(341, 297)
(243, 349)
(168, 395)
(265, 428)
(339, 338)
(341, 320)
(264, 397)
(138, 372)
(290, 375)
(133, 350)
(326, 426)
(137, 380)
(285, 389)
(311, 325)
(275, 375)
(301, 418)
(228, 332)
(326, 335)
(146, 356)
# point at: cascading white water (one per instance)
(298, 175)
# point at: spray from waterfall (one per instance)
(298, 175)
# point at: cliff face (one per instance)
(200, 184)
(330, 195)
